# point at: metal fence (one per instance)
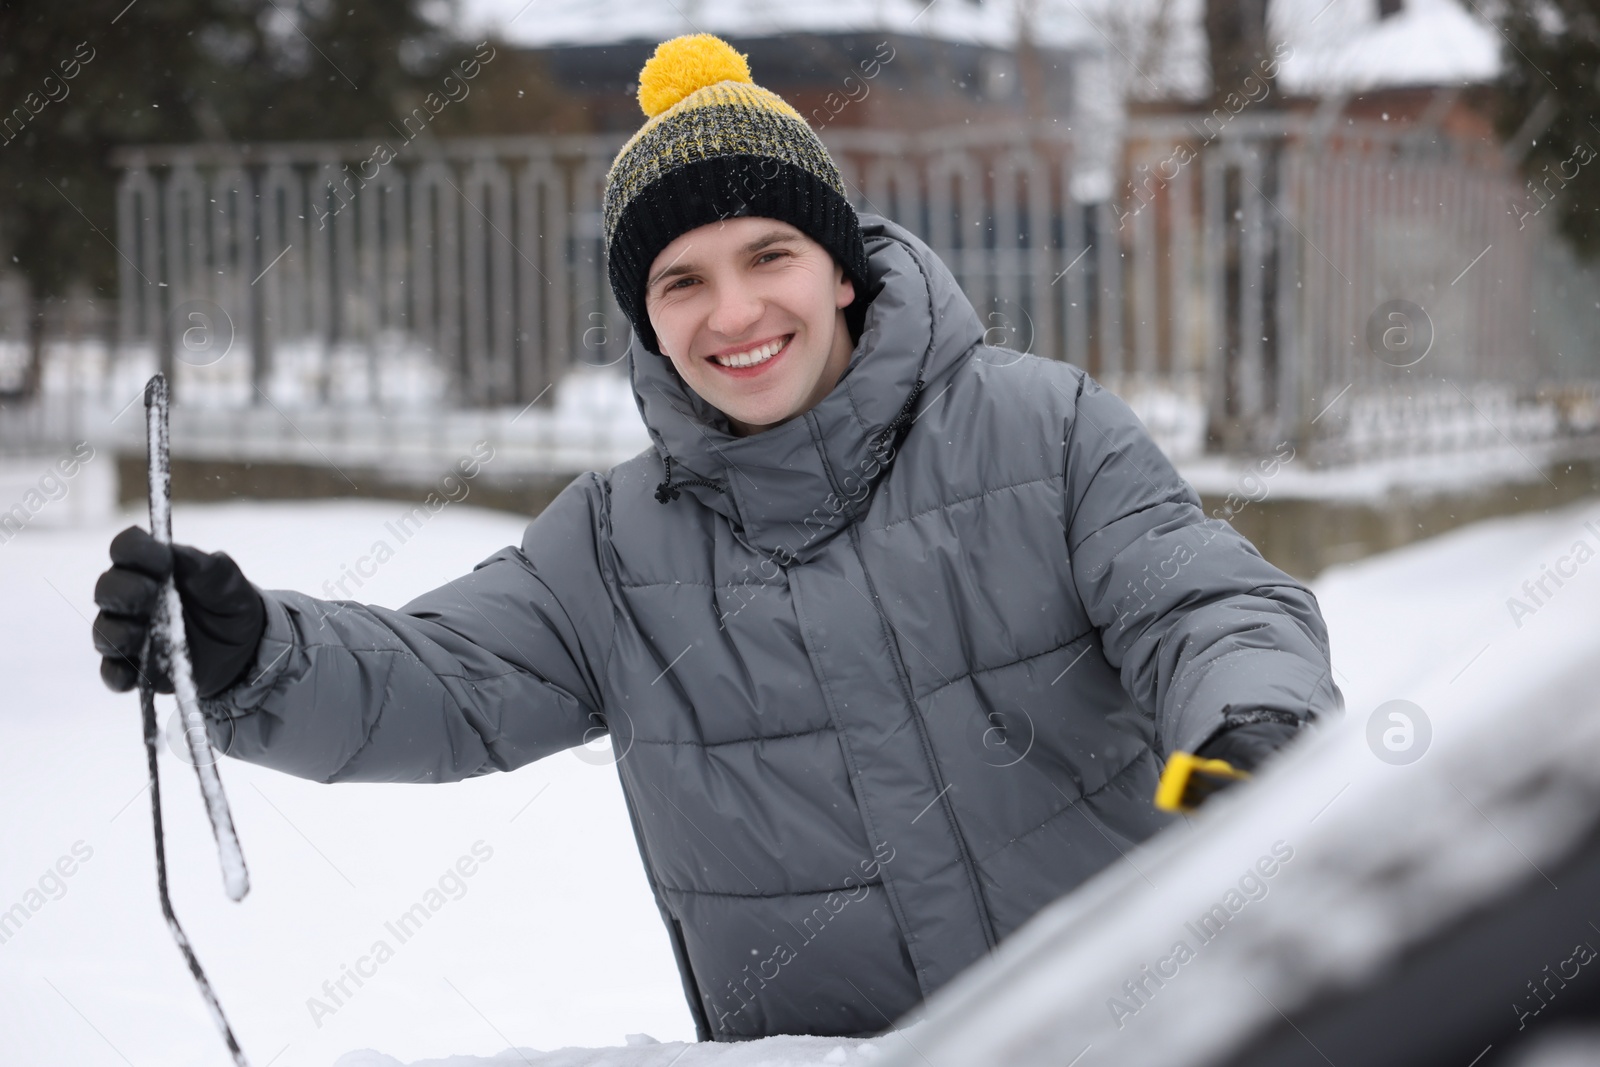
(484, 257)
(1353, 286)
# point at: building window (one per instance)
(999, 76)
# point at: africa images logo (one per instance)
(1139, 990)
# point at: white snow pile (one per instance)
(592, 424)
(554, 942)
(645, 1051)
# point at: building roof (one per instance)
(991, 23)
(1344, 46)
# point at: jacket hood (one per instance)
(787, 490)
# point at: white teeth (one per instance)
(752, 357)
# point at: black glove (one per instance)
(223, 615)
(1248, 745)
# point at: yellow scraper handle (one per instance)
(1189, 780)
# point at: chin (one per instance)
(763, 418)
(762, 413)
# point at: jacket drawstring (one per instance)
(668, 489)
(880, 444)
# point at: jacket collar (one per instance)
(789, 489)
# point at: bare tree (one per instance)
(1236, 39)
(1153, 45)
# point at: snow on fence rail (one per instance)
(592, 423)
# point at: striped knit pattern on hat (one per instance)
(717, 146)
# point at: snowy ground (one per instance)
(553, 942)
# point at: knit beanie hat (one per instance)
(717, 146)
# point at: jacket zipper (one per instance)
(904, 678)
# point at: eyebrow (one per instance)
(677, 267)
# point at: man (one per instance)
(892, 631)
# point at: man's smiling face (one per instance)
(751, 313)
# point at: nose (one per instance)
(738, 307)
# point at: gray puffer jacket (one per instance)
(881, 682)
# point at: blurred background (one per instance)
(359, 239)
(1337, 254)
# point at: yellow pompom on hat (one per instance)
(685, 65)
(715, 145)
